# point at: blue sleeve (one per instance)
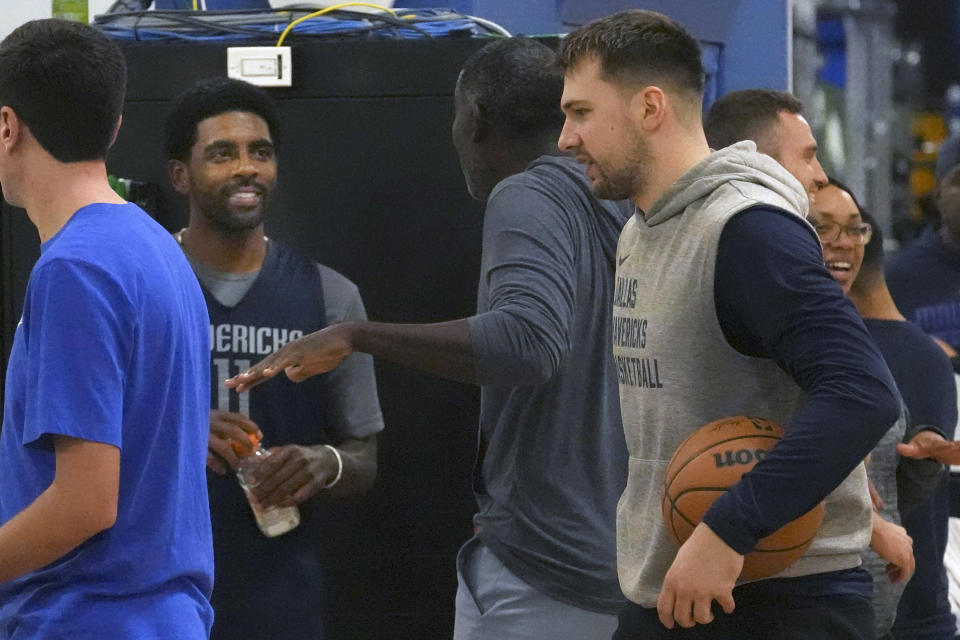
(775, 299)
(530, 271)
(79, 330)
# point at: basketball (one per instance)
(707, 463)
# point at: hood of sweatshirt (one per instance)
(739, 162)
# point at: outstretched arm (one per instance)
(520, 337)
(443, 349)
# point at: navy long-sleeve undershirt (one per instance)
(775, 299)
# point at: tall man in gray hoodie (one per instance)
(551, 457)
(740, 317)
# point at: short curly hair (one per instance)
(210, 98)
(516, 84)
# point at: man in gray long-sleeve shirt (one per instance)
(552, 457)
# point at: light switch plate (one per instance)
(263, 66)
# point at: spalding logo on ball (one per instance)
(711, 460)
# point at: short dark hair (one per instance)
(638, 46)
(209, 98)
(517, 85)
(66, 82)
(746, 115)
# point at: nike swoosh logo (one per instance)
(620, 261)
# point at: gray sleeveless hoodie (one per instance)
(677, 371)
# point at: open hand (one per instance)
(930, 444)
(314, 353)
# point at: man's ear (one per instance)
(116, 130)
(11, 129)
(481, 125)
(179, 176)
(649, 107)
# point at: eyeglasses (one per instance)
(859, 232)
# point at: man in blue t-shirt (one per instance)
(104, 524)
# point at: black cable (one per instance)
(269, 37)
(205, 25)
(193, 19)
(189, 20)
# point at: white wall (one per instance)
(13, 13)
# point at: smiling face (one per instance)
(844, 255)
(230, 172)
(601, 134)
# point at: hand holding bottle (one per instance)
(294, 473)
(232, 436)
(272, 520)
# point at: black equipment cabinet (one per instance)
(369, 184)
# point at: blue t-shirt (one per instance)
(113, 347)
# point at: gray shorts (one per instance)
(494, 604)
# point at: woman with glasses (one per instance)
(836, 217)
(853, 253)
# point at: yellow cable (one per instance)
(327, 10)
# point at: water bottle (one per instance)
(273, 521)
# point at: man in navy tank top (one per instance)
(221, 145)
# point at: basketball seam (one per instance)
(692, 457)
(676, 536)
(782, 549)
(674, 509)
(673, 502)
